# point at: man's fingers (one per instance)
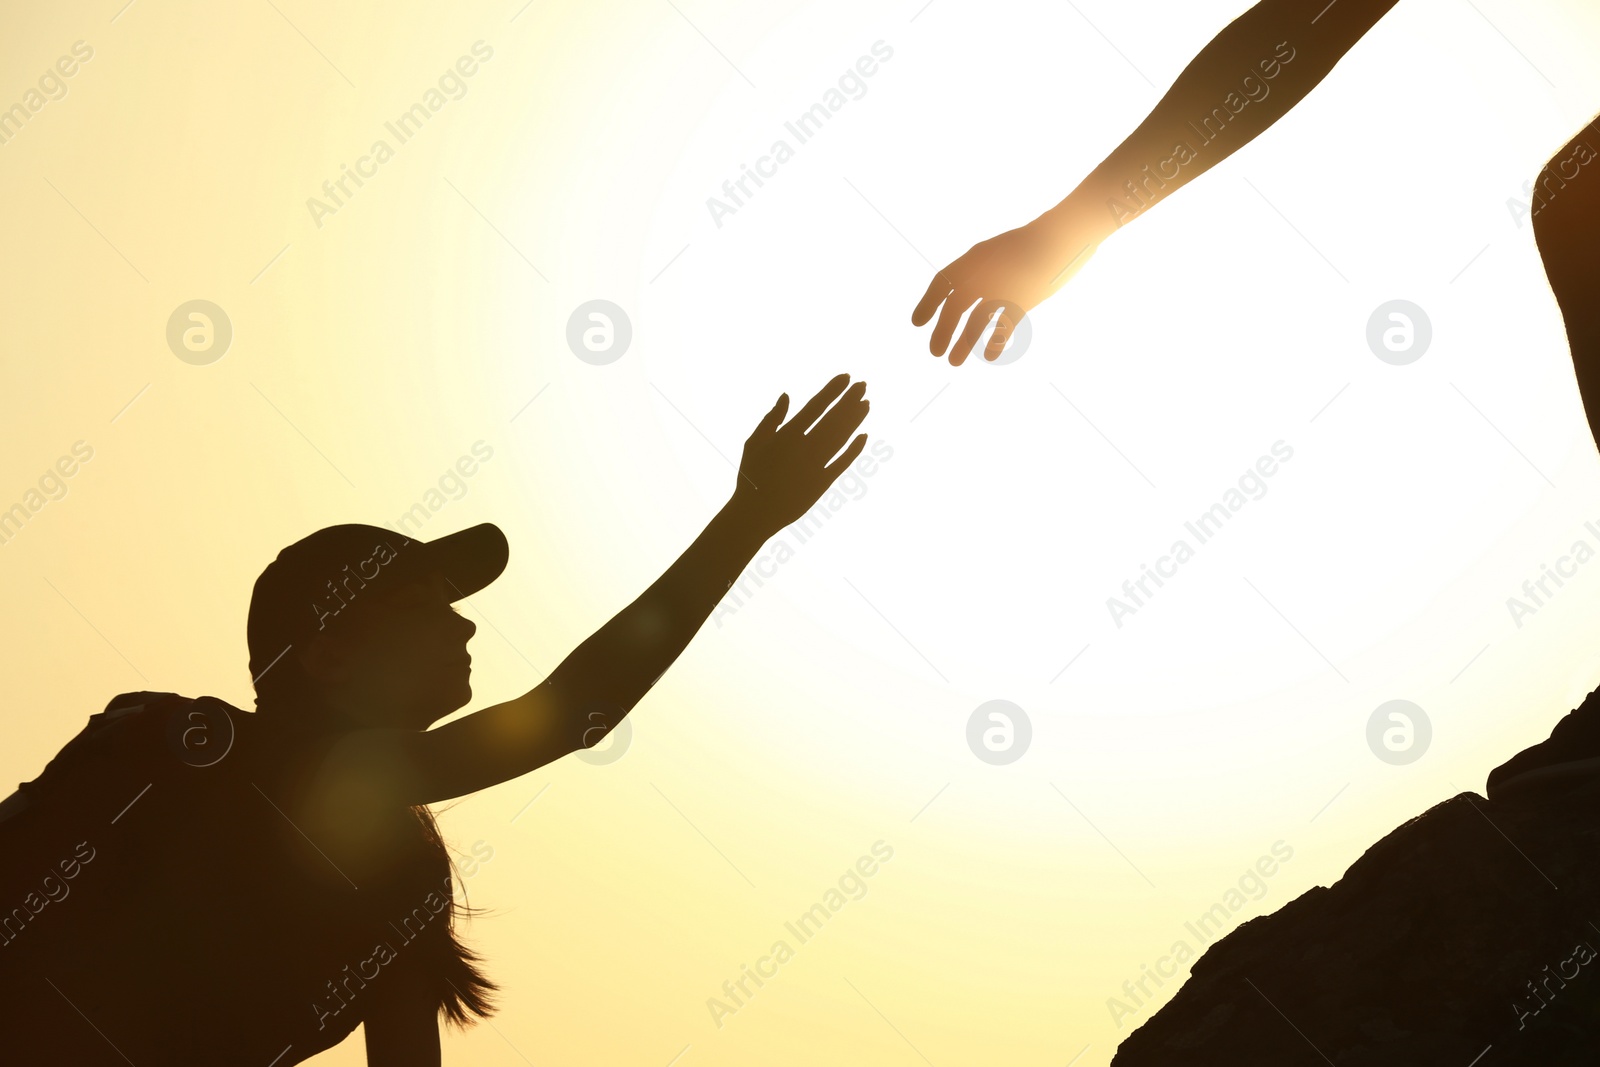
(838, 424)
(938, 289)
(969, 336)
(847, 457)
(819, 403)
(954, 305)
(1005, 324)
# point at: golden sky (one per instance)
(569, 154)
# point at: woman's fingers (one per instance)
(845, 458)
(834, 428)
(773, 418)
(819, 403)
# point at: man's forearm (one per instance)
(610, 672)
(1249, 76)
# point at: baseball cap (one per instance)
(329, 577)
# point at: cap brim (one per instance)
(469, 559)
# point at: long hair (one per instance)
(464, 992)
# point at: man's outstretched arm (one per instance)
(1248, 77)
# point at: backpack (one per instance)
(146, 912)
(55, 827)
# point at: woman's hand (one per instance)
(785, 468)
(1011, 275)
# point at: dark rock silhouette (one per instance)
(1468, 935)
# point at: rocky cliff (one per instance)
(1467, 936)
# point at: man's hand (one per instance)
(1008, 276)
(1274, 54)
(786, 468)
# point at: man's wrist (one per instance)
(1082, 220)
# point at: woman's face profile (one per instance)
(406, 664)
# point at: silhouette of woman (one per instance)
(261, 902)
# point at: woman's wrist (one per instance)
(741, 525)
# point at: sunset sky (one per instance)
(423, 315)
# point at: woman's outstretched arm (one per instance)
(1247, 78)
(785, 469)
